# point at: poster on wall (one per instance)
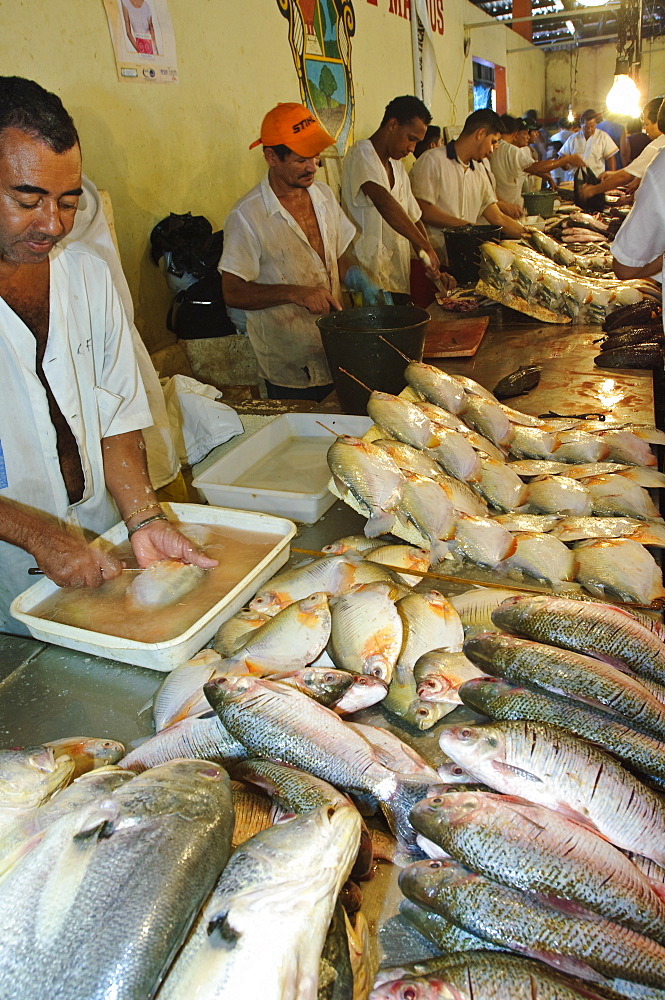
(143, 40)
(320, 33)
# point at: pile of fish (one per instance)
(545, 874)
(434, 471)
(634, 338)
(527, 280)
(579, 263)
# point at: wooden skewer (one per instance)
(427, 574)
(329, 429)
(355, 379)
(405, 356)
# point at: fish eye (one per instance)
(465, 734)
(422, 712)
(329, 676)
(434, 865)
(457, 771)
(361, 681)
(409, 993)
(436, 800)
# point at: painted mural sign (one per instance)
(320, 33)
(403, 9)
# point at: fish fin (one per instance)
(98, 821)
(657, 887)
(144, 708)
(408, 790)
(567, 906)
(563, 963)
(518, 772)
(379, 524)
(438, 551)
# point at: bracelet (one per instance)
(141, 510)
(142, 524)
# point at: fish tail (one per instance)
(379, 523)
(408, 790)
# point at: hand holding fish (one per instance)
(160, 539)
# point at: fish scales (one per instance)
(546, 765)
(491, 976)
(600, 630)
(523, 661)
(200, 736)
(529, 847)
(524, 923)
(502, 701)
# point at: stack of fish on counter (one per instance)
(546, 874)
(634, 338)
(527, 280)
(434, 471)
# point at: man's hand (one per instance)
(587, 191)
(511, 210)
(69, 561)
(161, 540)
(573, 161)
(316, 300)
(431, 266)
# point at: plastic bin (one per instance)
(165, 656)
(355, 340)
(280, 468)
(540, 203)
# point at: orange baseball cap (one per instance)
(295, 126)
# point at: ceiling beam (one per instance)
(561, 15)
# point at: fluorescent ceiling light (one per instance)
(571, 27)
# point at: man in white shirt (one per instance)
(594, 146)
(376, 194)
(638, 246)
(653, 117)
(283, 260)
(452, 191)
(71, 399)
(512, 162)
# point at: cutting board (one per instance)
(457, 337)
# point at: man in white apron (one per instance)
(72, 403)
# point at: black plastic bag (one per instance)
(591, 205)
(199, 311)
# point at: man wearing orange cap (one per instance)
(283, 256)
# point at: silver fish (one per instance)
(164, 582)
(181, 694)
(533, 442)
(475, 608)
(548, 766)
(529, 522)
(439, 674)
(370, 476)
(293, 638)
(364, 691)
(366, 631)
(573, 529)
(543, 557)
(488, 419)
(358, 543)
(436, 386)
(626, 446)
(581, 446)
(332, 575)
(501, 487)
(234, 632)
(403, 419)
(614, 495)
(425, 505)
(404, 558)
(28, 777)
(619, 567)
(279, 722)
(408, 458)
(456, 455)
(528, 468)
(559, 495)
(200, 737)
(264, 906)
(144, 858)
(482, 540)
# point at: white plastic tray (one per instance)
(280, 468)
(165, 656)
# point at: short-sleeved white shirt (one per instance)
(381, 251)
(638, 166)
(642, 236)
(461, 190)
(264, 243)
(507, 164)
(594, 150)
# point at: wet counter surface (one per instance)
(47, 692)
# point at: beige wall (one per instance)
(584, 76)
(183, 147)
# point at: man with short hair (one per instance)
(72, 400)
(653, 117)
(283, 258)
(376, 193)
(451, 191)
(594, 146)
(511, 163)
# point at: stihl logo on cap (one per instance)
(305, 123)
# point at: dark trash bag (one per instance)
(191, 251)
(587, 176)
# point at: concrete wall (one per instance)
(582, 77)
(183, 147)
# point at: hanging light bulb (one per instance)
(623, 97)
(571, 115)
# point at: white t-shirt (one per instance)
(507, 163)
(264, 243)
(642, 236)
(91, 369)
(381, 251)
(91, 232)
(139, 18)
(594, 150)
(461, 190)
(638, 166)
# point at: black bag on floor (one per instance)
(191, 252)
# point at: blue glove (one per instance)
(356, 280)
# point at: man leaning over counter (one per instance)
(449, 188)
(283, 257)
(376, 193)
(73, 403)
(639, 245)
